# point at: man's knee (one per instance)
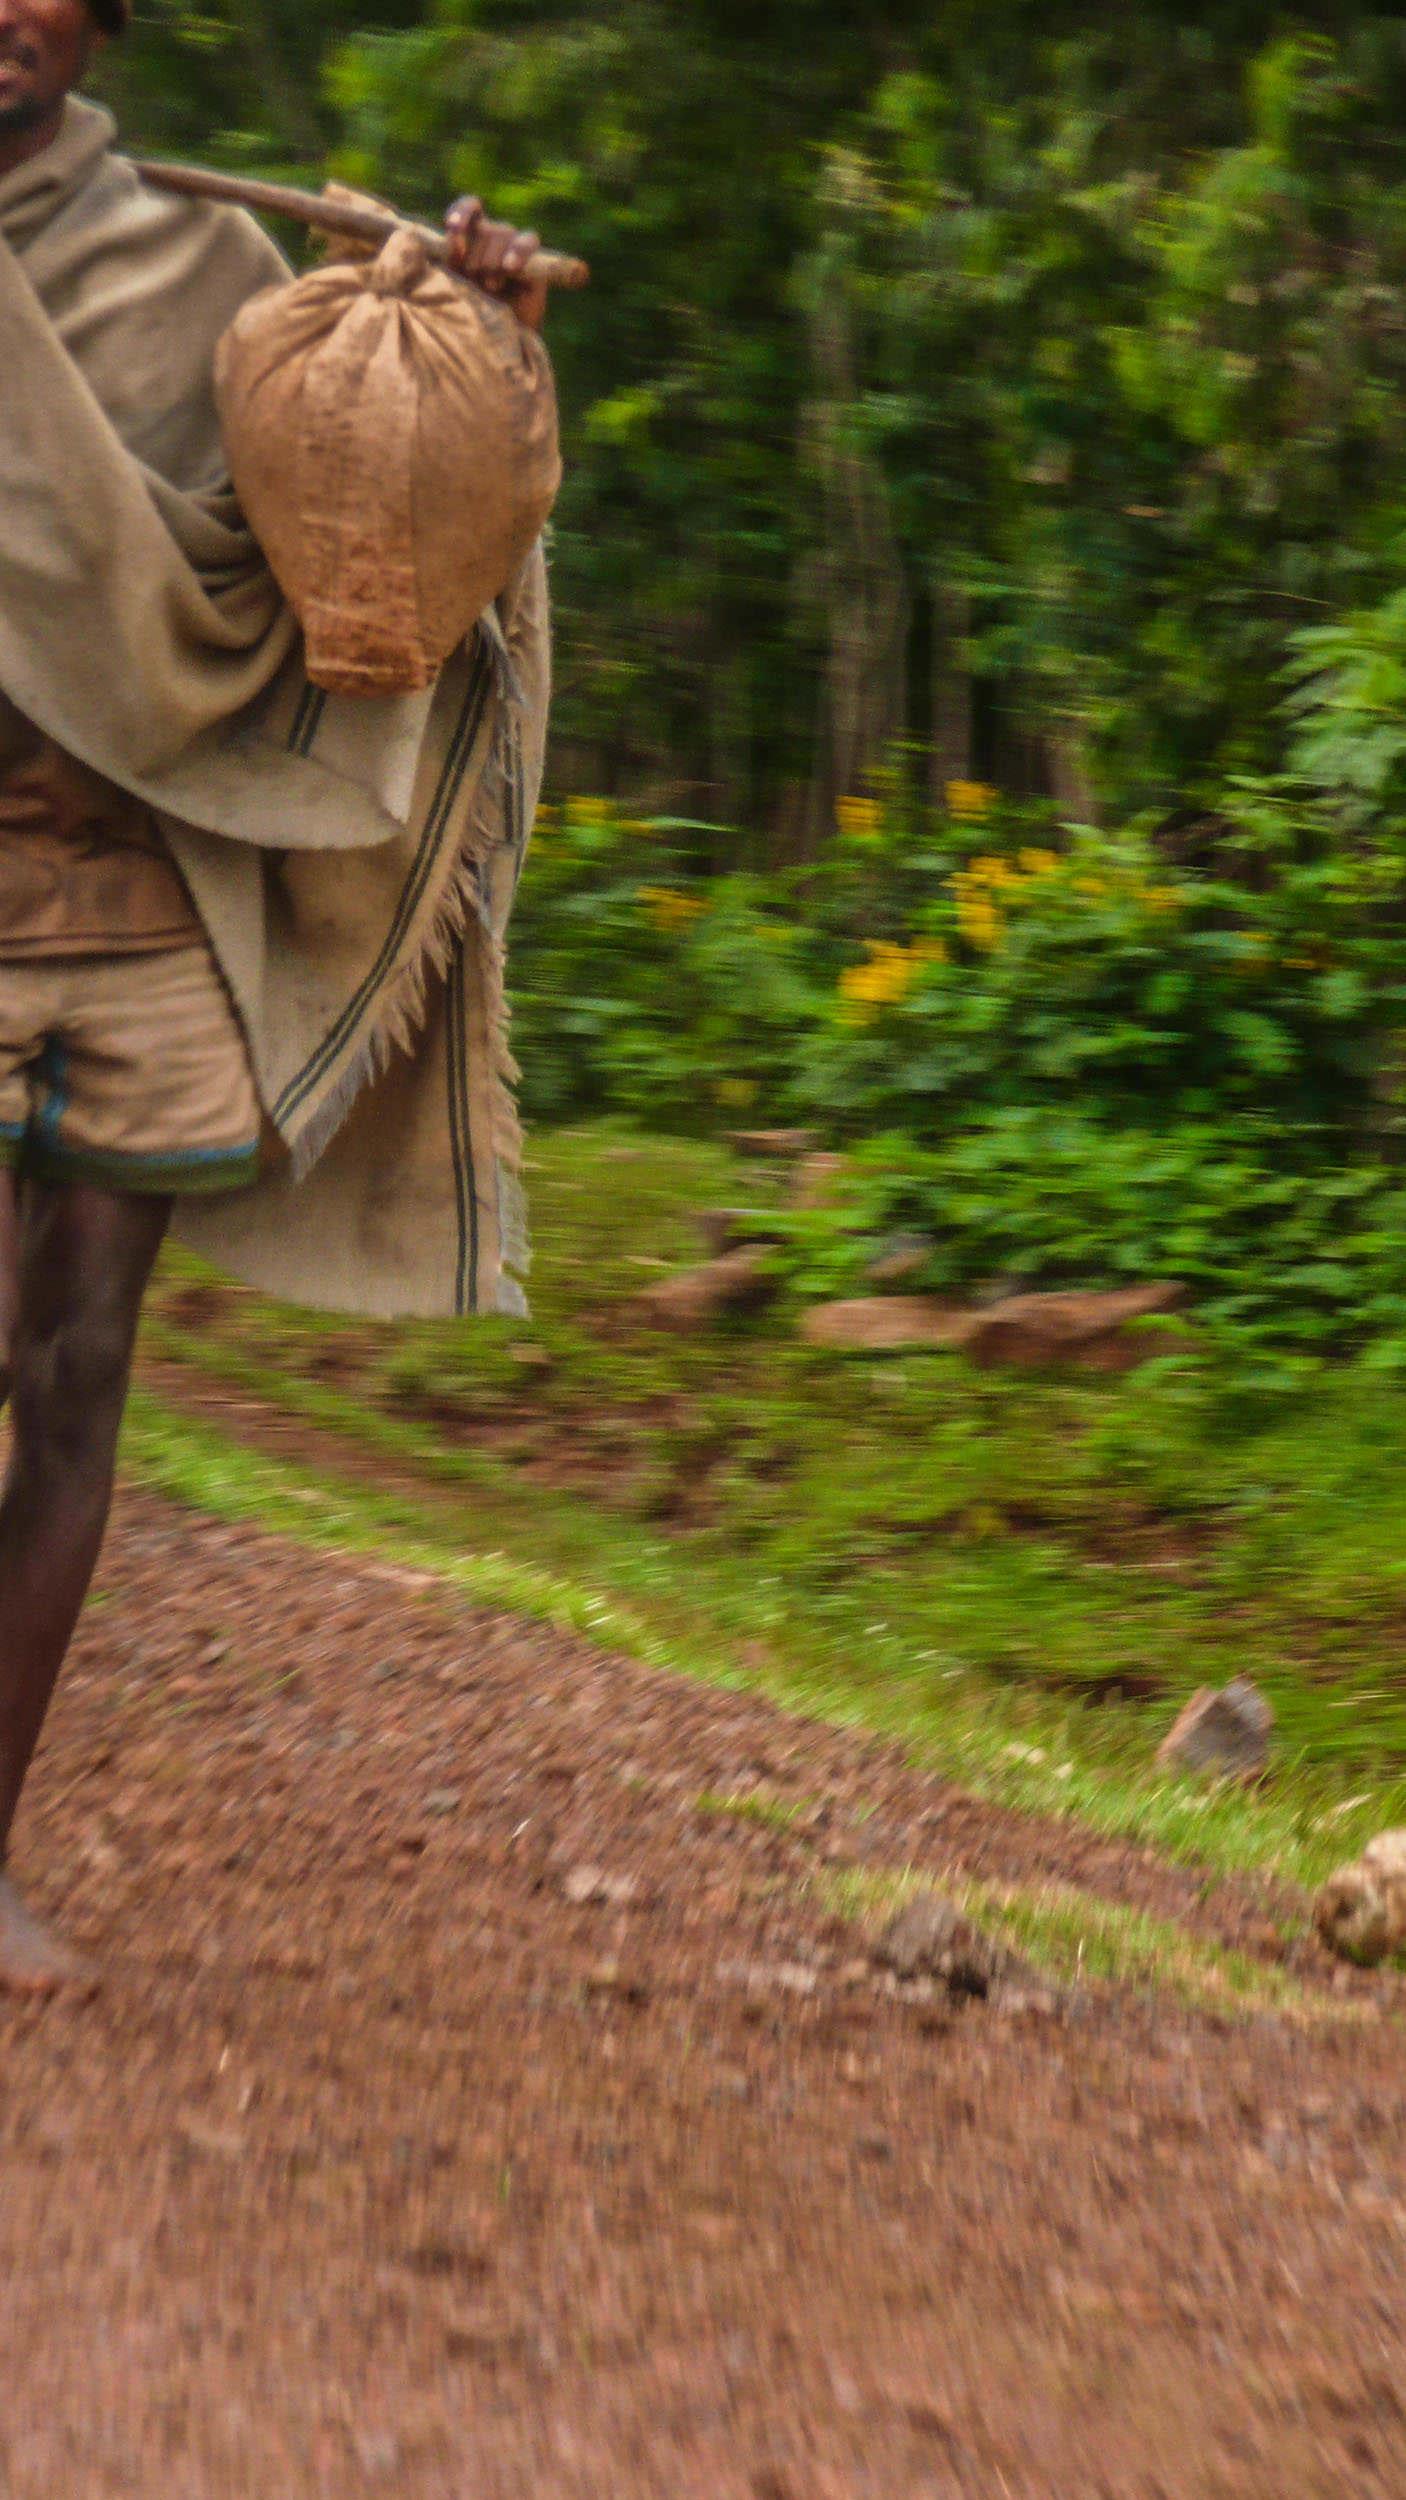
(86, 1256)
(68, 1386)
(9, 1278)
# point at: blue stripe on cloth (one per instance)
(53, 1074)
(192, 1155)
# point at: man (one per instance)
(245, 933)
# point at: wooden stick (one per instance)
(358, 225)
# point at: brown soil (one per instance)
(381, 2167)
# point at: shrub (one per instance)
(644, 989)
(1058, 1067)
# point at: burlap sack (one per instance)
(392, 434)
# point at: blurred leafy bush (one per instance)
(644, 988)
(1079, 1065)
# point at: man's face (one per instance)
(45, 47)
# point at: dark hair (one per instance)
(112, 15)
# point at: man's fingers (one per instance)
(494, 255)
(462, 225)
(498, 247)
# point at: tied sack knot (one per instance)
(400, 265)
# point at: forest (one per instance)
(1008, 390)
(981, 597)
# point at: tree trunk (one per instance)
(950, 756)
(1070, 782)
(866, 598)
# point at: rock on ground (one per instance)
(1361, 1912)
(734, 1228)
(930, 1939)
(738, 1282)
(884, 1324)
(1095, 1332)
(773, 1145)
(1223, 1734)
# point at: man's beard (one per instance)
(25, 114)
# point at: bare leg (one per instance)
(78, 1264)
(9, 1274)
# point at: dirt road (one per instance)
(404, 2154)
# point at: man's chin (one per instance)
(19, 114)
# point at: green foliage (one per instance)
(643, 988)
(236, 81)
(1279, 1245)
(1133, 373)
(1015, 380)
(1257, 980)
(1348, 705)
(1085, 1069)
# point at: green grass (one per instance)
(1076, 1939)
(1018, 1579)
(769, 1814)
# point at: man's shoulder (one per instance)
(125, 213)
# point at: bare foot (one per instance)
(32, 1962)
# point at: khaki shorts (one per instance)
(126, 1070)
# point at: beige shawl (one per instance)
(354, 862)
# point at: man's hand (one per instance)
(495, 256)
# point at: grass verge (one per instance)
(1073, 1937)
(636, 1594)
(1019, 1580)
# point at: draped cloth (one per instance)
(353, 861)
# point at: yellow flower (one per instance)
(669, 910)
(734, 1093)
(979, 921)
(859, 820)
(1160, 897)
(978, 918)
(886, 978)
(1039, 863)
(970, 801)
(589, 812)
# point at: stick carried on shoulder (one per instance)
(357, 225)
